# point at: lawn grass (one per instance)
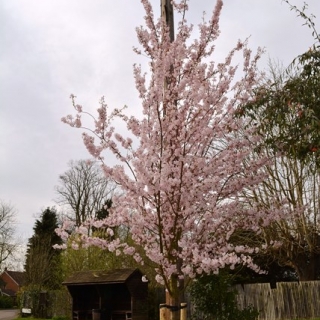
(32, 318)
(59, 318)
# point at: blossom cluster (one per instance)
(182, 184)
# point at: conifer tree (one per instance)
(42, 260)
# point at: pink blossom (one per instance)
(183, 179)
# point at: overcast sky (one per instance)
(52, 48)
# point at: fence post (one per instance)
(162, 310)
(183, 311)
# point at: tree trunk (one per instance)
(175, 292)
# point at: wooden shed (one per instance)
(119, 294)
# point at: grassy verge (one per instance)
(60, 318)
(32, 318)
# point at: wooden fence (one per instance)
(289, 300)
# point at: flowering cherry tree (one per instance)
(185, 163)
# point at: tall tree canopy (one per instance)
(287, 117)
(183, 176)
(42, 264)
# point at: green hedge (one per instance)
(6, 302)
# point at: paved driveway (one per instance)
(8, 314)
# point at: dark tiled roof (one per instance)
(17, 276)
(100, 276)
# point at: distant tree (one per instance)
(183, 174)
(101, 215)
(8, 243)
(78, 257)
(103, 212)
(84, 190)
(43, 266)
(287, 117)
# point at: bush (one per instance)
(214, 297)
(6, 302)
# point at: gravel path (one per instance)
(9, 314)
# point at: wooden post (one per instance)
(162, 310)
(183, 311)
(167, 15)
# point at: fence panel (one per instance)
(289, 300)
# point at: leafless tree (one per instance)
(291, 178)
(84, 190)
(7, 231)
